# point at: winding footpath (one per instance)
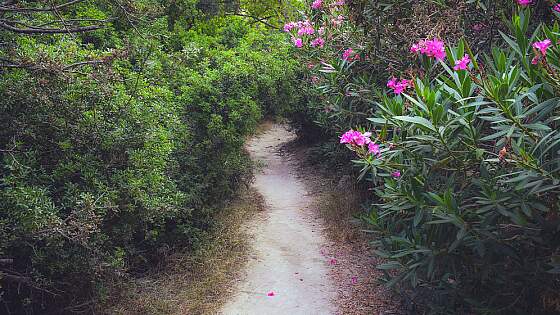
(287, 273)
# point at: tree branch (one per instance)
(256, 18)
(38, 30)
(5, 8)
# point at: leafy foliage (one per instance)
(119, 145)
(464, 164)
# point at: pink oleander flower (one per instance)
(298, 42)
(556, 7)
(271, 293)
(318, 42)
(434, 48)
(306, 30)
(462, 64)
(542, 46)
(350, 55)
(347, 53)
(392, 83)
(396, 174)
(289, 26)
(338, 21)
(524, 3)
(398, 86)
(478, 27)
(317, 4)
(355, 138)
(373, 148)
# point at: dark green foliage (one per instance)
(470, 224)
(108, 166)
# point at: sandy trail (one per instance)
(287, 242)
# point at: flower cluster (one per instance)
(524, 3)
(316, 5)
(304, 28)
(337, 21)
(357, 138)
(432, 48)
(540, 50)
(462, 64)
(349, 55)
(398, 86)
(318, 42)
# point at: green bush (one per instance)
(106, 168)
(464, 163)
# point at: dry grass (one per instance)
(339, 207)
(197, 283)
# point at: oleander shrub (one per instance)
(459, 143)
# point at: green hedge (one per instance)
(107, 168)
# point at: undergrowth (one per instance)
(196, 282)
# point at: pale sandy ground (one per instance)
(288, 258)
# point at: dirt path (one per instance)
(288, 273)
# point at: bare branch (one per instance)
(34, 30)
(255, 18)
(73, 21)
(5, 8)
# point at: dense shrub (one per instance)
(107, 166)
(460, 148)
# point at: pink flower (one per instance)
(350, 55)
(396, 174)
(318, 42)
(524, 3)
(289, 26)
(462, 64)
(298, 42)
(355, 138)
(478, 27)
(347, 53)
(556, 7)
(392, 83)
(317, 4)
(354, 280)
(333, 261)
(432, 48)
(373, 148)
(271, 293)
(305, 28)
(338, 3)
(398, 86)
(338, 21)
(310, 66)
(542, 46)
